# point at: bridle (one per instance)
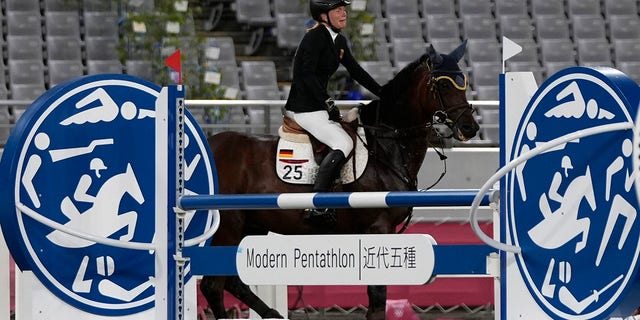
(441, 115)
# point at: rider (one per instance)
(317, 58)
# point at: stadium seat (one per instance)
(288, 6)
(100, 24)
(516, 27)
(490, 124)
(374, 7)
(64, 48)
(98, 5)
(405, 7)
(435, 7)
(626, 50)
(24, 47)
(103, 66)
(594, 52)
(404, 26)
(406, 50)
(101, 48)
(475, 7)
(62, 23)
(588, 27)
(373, 51)
(531, 66)
(262, 93)
(290, 28)
(552, 27)
(445, 45)
(5, 121)
(557, 50)
(26, 72)
(442, 27)
(528, 56)
(630, 68)
(487, 92)
(140, 68)
(61, 5)
(485, 73)
(23, 5)
(546, 7)
(620, 7)
(382, 71)
(140, 6)
(64, 70)
(479, 27)
(27, 92)
(220, 48)
(483, 50)
(24, 23)
(551, 68)
(229, 73)
(583, 7)
(254, 12)
(511, 7)
(259, 73)
(624, 27)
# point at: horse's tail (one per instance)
(406, 221)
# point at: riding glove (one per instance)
(334, 112)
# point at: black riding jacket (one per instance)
(315, 61)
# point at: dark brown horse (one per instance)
(398, 129)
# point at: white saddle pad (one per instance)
(295, 162)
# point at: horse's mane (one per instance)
(394, 89)
(391, 94)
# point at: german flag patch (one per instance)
(285, 153)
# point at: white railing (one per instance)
(255, 116)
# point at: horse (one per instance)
(399, 128)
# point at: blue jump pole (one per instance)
(431, 198)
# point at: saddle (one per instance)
(299, 153)
(292, 131)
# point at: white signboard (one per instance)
(406, 259)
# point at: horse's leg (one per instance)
(377, 302)
(213, 290)
(241, 291)
(378, 294)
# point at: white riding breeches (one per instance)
(317, 123)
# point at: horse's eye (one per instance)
(445, 84)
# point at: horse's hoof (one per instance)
(377, 315)
(323, 218)
(272, 314)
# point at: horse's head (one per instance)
(447, 85)
(432, 90)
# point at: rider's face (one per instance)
(338, 17)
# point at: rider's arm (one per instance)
(357, 72)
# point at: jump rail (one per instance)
(433, 198)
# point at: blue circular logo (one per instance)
(573, 209)
(83, 156)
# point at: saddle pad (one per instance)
(295, 162)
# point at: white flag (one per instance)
(509, 48)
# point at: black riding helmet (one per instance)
(318, 7)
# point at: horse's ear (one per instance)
(458, 52)
(434, 57)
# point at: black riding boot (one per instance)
(327, 173)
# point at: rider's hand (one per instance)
(334, 112)
(334, 115)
